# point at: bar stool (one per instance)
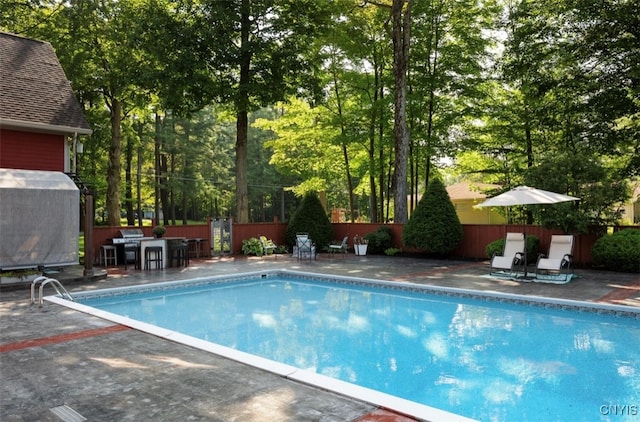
(153, 254)
(180, 253)
(108, 255)
(135, 250)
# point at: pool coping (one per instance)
(383, 400)
(596, 307)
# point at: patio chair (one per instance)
(512, 257)
(339, 247)
(559, 258)
(268, 246)
(305, 247)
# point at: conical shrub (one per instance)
(434, 225)
(311, 218)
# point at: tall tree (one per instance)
(269, 40)
(100, 64)
(401, 35)
(358, 51)
(450, 41)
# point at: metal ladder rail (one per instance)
(33, 287)
(59, 288)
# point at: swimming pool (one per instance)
(429, 352)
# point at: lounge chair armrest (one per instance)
(518, 257)
(566, 260)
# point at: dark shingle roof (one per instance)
(34, 88)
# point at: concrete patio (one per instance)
(55, 361)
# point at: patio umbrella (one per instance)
(525, 195)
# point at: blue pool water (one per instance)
(484, 359)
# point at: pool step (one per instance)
(67, 414)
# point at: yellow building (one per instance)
(631, 210)
(465, 196)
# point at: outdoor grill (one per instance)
(129, 243)
(130, 237)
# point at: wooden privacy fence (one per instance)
(475, 236)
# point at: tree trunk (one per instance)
(164, 192)
(375, 215)
(345, 151)
(383, 180)
(186, 180)
(401, 19)
(527, 130)
(128, 177)
(113, 170)
(156, 179)
(139, 175)
(242, 191)
(433, 71)
(171, 171)
(242, 122)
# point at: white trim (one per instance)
(43, 127)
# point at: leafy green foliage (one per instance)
(494, 248)
(560, 98)
(581, 175)
(301, 148)
(619, 251)
(159, 230)
(497, 247)
(434, 225)
(310, 218)
(392, 251)
(379, 241)
(252, 246)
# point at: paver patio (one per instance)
(56, 358)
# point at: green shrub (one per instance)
(619, 251)
(252, 246)
(434, 225)
(281, 249)
(497, 246)
(311, 218)
(379, 240)
(392, 251)
(494, 248)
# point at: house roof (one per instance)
(469, 190)
(34, 91)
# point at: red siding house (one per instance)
(40, 122)
(40, 117)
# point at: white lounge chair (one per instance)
(558, 261)
(512, 257)
(339, 247)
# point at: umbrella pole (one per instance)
(525, 253)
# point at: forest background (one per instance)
(238, 107)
